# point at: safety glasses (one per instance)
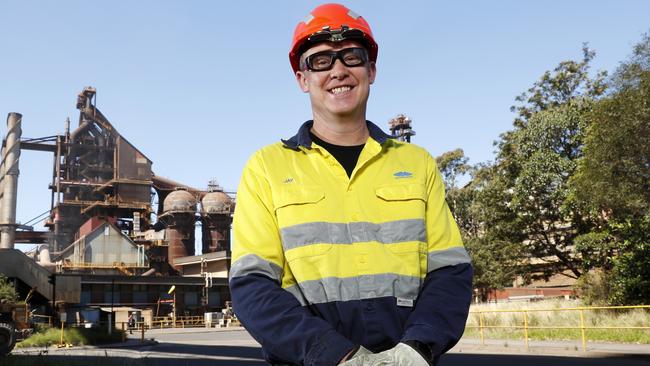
(323, 61)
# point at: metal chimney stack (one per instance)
(9, 180)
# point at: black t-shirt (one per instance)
(347, 156)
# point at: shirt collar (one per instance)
(302, 137)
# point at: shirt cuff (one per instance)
(330, 348)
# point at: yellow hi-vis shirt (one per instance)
(325, 237)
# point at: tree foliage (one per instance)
(452, 164)
(7, 290)
(569, 80)
(495, 260)
(613, 182)
(615, 172)
(569, 191)
(536, 159)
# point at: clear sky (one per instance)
(198, 86)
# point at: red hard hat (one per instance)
(333, 23)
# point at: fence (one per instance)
(524, 323)
(179, 322)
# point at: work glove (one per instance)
(402, 355)
(364, 357)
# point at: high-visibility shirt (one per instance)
(322, 262)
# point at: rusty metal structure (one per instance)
(179, 210)
(102, 220)
(216, 209)
(97, 173)
(400, 127)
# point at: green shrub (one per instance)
(74, 336)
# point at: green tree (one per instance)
(535, 161)
(613, 182)
(569, 80)
(614, 175)
(495, 260)
(630, 71)
(452, 164)
(492, 232)
(7, 290)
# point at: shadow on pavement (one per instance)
(118, 361)
(176, 354)
(456, 359)
(204, 350)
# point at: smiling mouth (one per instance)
(340, 89)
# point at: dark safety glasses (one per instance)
(323, 61)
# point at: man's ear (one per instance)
(372, 72)
(301, 78)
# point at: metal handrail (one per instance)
(526, 326)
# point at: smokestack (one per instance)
(10, 158)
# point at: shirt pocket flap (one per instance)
(298, 196)
(401, 192)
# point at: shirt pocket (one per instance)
(301, 237)
(402, 192)
(409, 199)
(295, 196)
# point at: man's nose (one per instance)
(339, 70)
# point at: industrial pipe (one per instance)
(82, 127)
(44, 255)
(10, 161)
(2, 175)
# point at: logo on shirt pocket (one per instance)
(402, 175)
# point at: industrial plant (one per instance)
(117, 235)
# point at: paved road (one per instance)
(237, 348)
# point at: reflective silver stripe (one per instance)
(355, 232)
(356, 288)
(297, 293)
(447, 257)
(254, 264)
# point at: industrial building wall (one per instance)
(108, 245)
(132, 163)
(105, 245)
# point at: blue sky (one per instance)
(198, 86)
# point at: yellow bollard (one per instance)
(526, 328)
(480, 327)
(582, 330)
(61, 342)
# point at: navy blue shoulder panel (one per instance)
(302, 137)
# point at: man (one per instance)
(345, 251)
(131, 322)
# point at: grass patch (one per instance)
(74, 336)
(550, 314)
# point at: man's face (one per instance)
(341, 91)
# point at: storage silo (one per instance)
(179, 210)
(216, 216)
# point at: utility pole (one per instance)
(52, 280)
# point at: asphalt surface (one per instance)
(235, 347)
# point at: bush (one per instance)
(7, 290)
(74, 336)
